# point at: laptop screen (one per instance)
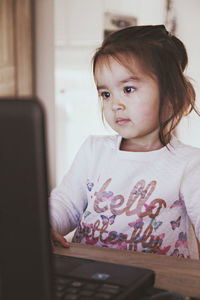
(24, 229)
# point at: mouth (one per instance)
(122, 121)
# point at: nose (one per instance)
(118, 106)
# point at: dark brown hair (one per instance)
(164, 57)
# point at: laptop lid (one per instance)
(24, 229)
(26, 263)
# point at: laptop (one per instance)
(28, 269)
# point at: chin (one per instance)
(128, 136)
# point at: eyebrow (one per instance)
(132, 78)
(101, 87)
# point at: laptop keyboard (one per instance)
(67, 288)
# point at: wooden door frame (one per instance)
(24, 42)
(17, 48)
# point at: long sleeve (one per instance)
(190, 189)
(69, 200)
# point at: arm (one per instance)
(190, 188)
(69, 200)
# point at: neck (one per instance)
(137, 146)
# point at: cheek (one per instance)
(146, 112)
(107, 112)
(152, 110)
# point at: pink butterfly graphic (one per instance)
(87, 227)
(176, 223)
(175, 253)
(155, 223)
(138, 223)
(89, 185)
(178, 203)
(163, 251)
(182, 240)
(157, 239)
(108, 220)
(113, 235)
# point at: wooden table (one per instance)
(174, 274)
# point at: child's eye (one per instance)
(128, 89)
(105, 95)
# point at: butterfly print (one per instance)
(163, 251)
(175, 253)
(86, 228)
(159, 237)
(176, 223)
(155, 223)
(138, 223)
(89, 185)
(87, 213)
(108, 220)
(178, 203)
(182, 240)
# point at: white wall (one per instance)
(81, 22)
(188, 26)
(44, 55)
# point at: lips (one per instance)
(122, 121)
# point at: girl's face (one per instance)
(130, 103)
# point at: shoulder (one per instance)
(95, 147)
(187, 154)
(183, 150)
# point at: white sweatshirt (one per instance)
(140, 201)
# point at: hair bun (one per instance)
(180, 52)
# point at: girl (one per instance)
(138, 190)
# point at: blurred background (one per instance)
(46, 48)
